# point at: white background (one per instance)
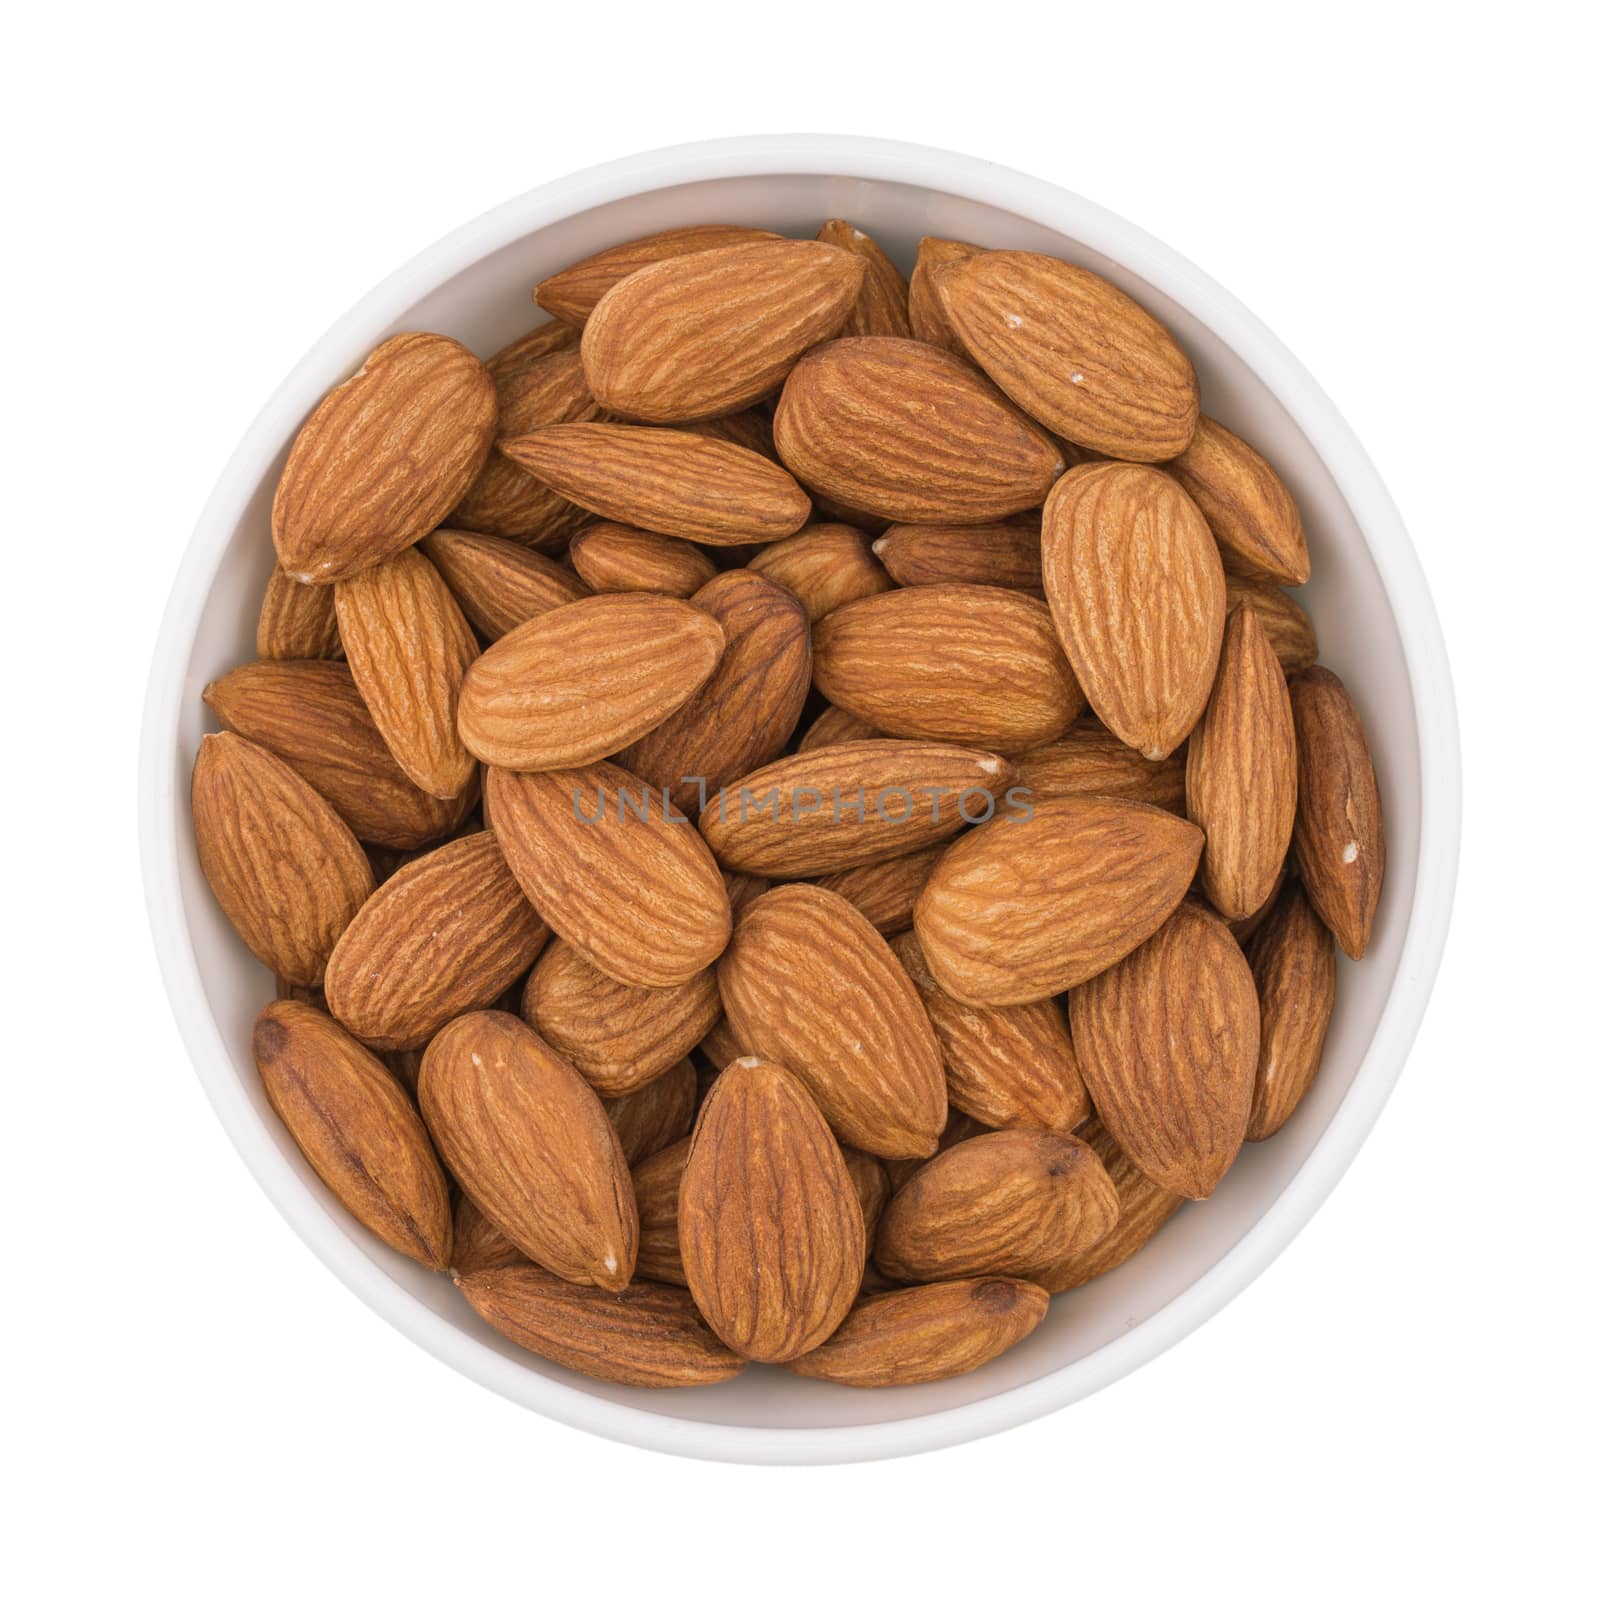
(1405, 1400)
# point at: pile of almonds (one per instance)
(791, 812)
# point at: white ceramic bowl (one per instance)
(1377, 628)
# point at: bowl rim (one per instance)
(1417, 624)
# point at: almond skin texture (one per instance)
(910, 794)
(1143, 1209)
(544, 340)
(1292, 960)
(1338, 826)
(311, 715)
(1004, 554)
(908, 432)
(1088, 759)
(479, 1245)
(885, 892)
(1168, 1041)
(928, 321)
(1240, 773)
(882, 305)
(768, 1221)
(1251, 512)
(1135, 586)
(808, 981)
(1294, 638)
(503, 499)
(284, 867)
(297, 621)
(525, 1136)
(356, 1127)
(409, 647)
(1005, 1066)
(957, 661)
(383, 458)
(1013, 1203)
(835, 726)
(659, 1114)
(824, 566)
(746, 711)
(649, 1336)
(618, 1037)
(585, 680)
(1074, 352)
(499, 585)
(656, 1182)
(444, 935)
(666, 480)
(938, 1330)
(573, 293)
(639, 895)
(706, 334)
(613, 559)
(1017, 911)
(870, 1179)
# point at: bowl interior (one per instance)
(485, 306)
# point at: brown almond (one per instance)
(808, 981)
(836, 726)
(1135, 586)
(882, 305)
(825, 566)
(444, 935)
(479, 1245)
(409, 647)
(1168, 1041)
(356, 1127)
(1294, 638)
(498, 584)
(1022, 909)
(297, 621)
(1003, 554)
(1338, 825)
(1088, 759)
(613, 559)
(525, 1136)
(624, 879)
(719, 1047)
(656, 1182)
(383, 458)
(534, 345)
(1073, 351)
(870, 1180)
(750, 429)
(1014, 1203)
(902, 429)
(928, 321)
(885, 892)
(768, 1221)
(286, 870)
(659, 1114)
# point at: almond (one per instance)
(920, 1335)
(957, 1130)
(956, 661)
(870, 1180)
(1013, 1203)
(1338, 826)
(751, 430)
(825, 566)
(808, 981)
(1019, 910)
(1292, 960)
(745, 712)
(1241, 771)
(850, 804)
(742, 890)
(1005, 1066)
(1293, 637)
(632, 885)
(356, 1127)
(383, 457)
(444, 935)
(544, 340)
(1143, 1209)
(1088, 759)
(885, 892)
(1135, 586)
(525, 1136)
(1004, 554)
(834, 726)
(297, 621)
(1168, 1041)
(904, 430)
(705, 334)
(311, 715)
(656, 1182)
(1251, 512)
(585, 680)
(1073, 351)
(618, 1037)
(882, 305)
(285, 869)
(659, 1114)
(573, 293)
(409, 648)
(718, 1048)
(770, 1228)
(479, 1245)
(666, 480)
(499, 585)
(928, 321)
(649, 1336)
(613, 559)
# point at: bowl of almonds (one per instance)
(799, 799)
